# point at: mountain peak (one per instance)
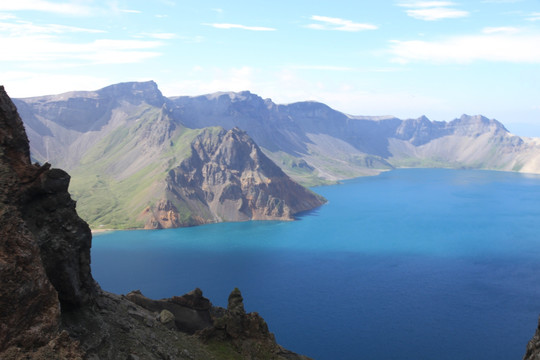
(479, 121)
(135, 91)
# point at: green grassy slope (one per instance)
(125, 172)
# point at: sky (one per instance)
(403, 58)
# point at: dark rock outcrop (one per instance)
(32, 270)
(191, 311)
(247, 332)
(228, 178)
(40, 194)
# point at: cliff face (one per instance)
(228, 178)
(50, 306)
(41, 268)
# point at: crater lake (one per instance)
(409, 264)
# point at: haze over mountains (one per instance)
(129, 149)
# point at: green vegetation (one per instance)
(223, 350)
(128, 182)
(305, 175)
(410, 162)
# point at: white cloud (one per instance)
(160, 36)
(64, 8)
(20, 84)
(535, 16)
(4, 16)
(434, 14)
(331, 23)
(433, 10)
(29, 43)
(502, 29)
(501, 1)
(40, 48)
(26, 28)
(130, 11)
(322, 67)
(210, 80)
(494, 47)
(427, 4)
(238, 26)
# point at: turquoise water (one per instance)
(410, 264)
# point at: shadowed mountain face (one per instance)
(127, 148)
(44, 248)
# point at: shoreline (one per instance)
(101, 231)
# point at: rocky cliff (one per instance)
(228, 178)
(50, 306)
(44, 248)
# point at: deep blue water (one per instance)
(410, 264)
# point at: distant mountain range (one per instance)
(140, 159)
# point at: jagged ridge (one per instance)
(228, 178)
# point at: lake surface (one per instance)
(410, 264)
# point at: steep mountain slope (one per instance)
(62, 128)
(122, 142)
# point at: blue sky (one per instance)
(404, 58)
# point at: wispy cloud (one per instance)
(130, 11)
(28, 83)
(501, 30)
(102, 51)
(501, 1)
(31, 43)
(535, 16)
(25, 28)
(331, 23)
(344, 68)
(242, 27)
(4, 16)
(433, 10)
(159, 36)
(433, 14)
(427, 4)
(64, 8)
(495, 46)
(322, 67)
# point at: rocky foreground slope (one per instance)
(50, 306)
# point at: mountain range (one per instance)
(140, 159)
